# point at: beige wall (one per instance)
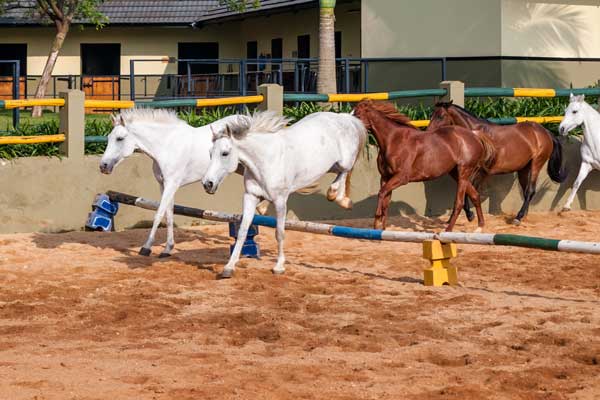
(160, 42)
(551, 28)
(41, 194)
(546, 28)
(289, 26)
(406, 28)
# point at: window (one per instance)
(338, 44)
(13, 52)
(101, 59)
(304, 46)
(252, 53)
(276, 52)
(198, 51)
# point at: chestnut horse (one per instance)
(523, 148)
(407, 154)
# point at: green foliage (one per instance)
(100, 125)
(64, 11)
(240, 5)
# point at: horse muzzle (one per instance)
(106, 168)
(210, 187)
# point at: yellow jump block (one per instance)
(440, 272)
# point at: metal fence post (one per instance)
(16, 91)
(132, 80)
(455, 92)
(72, 124)
(272, 97)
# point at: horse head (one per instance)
(573, 114)
(121, 144)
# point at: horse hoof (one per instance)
(345, 203)
(278, 271)
(516, 222)
(226, 274)
(331, 194)
(164, 255)
(145, 252)
(566, 209)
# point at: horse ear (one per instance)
(114, 119)
(121, 120)
(228, 130)
(571, 97)
(582, 98)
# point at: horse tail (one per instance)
(489, 151)
(557, 172)
(362, 141)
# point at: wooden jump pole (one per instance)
(375, 234)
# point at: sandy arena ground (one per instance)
(82, 316)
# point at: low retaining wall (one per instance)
(50, 194)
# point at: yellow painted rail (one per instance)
(32, 139)
(225, 101)
(108, 104)
(34, 102)
(422, 123)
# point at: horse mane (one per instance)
(389, 111)
(259, 122)
(462, 110)
(157, 115)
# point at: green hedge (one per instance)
(99, 125)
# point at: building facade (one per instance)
(537, 43)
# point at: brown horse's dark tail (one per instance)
(557, 172)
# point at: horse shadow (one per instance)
(572, 153)
(128, 242)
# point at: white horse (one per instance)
(180, 153)
(580, 112)
(278, 161)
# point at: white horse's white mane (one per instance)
(157, 115)
(259, 122)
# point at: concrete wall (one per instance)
(405, 28)
(41, 194)
(524, 28)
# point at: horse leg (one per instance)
(166, 200)
(250, 203)
(337, 190)
(170, 236)
(530, 181)
(281, 211)
(473, 194)
(466, 205)
(385, 193)
(463, 182)
(584, 170)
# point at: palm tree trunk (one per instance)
(326, 82)
(62, 28)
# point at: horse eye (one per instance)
(225, 153)
(120, 139)
(574, 111)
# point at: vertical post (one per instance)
(347, 75)
(16, 91)
(132, 80)
(455, 92)
(72, 124)
(243, 74)
(444, 69)
(366, 76)
(272, 97)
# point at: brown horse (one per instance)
(523, 148)
(406, 154)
